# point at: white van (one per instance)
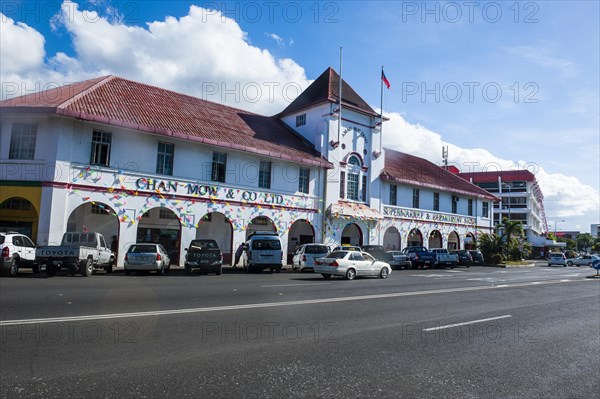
(264, 252)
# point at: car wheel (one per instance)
(590, 264)
(14, 267)
(569, 263)
(219, 271)
(51, 270)
(384, 273)
(278, 270)
(350, 274)
(168, 268)
(109, 268)
(86, 267)
(161, 271)
(127, 272)
(35, 268)
(188, 270)
(326, 276)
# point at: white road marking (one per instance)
(292, 285)
(110, 316)
(466, 323)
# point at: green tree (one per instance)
(514, 236)
(490, 246)
(585, 241)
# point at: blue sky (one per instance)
(538, 62)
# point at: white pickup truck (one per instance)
(80, 252)
(444, 258)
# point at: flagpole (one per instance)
(381, 115)
(340, 100)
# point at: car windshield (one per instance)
(203, 244)
(143, 248)
(77, 238)
(337, 255)
(315, 249)
(266, 244)
(556, 255)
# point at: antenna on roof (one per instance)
(445, 157)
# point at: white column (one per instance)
(53, 216)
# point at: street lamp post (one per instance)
(507, 186)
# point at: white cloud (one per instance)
(278, 39)
(565, 197)
(22, 47)
(543, 57)
(202, 53)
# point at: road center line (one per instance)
(292, 285)
(110, 316)
(466, 323)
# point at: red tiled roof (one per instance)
(409, 169)
(492, 176)
(120, 102)
(326, 89)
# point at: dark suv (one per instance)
(464, 257)
(477, 257)
(204, 255)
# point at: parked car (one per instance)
(399, 260)
(583, 260)
(444, 258)
(378, 252)
(79, 252)
(557, 258)
(17, 251)
(306, 254)
(346, 248)
(464, 258)
(477, 256)
(205, 255)
(350, 264)
(264, 252)
(419, 256)
(147, 257)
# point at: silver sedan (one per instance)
(147, 257)
(350, 264)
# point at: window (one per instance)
(454, 204)
(485, 209)
(364, 188)
(101, 148)
(342, 185)
(303, 179)
(165, 213)
(393, 194)
(301, 120)
(22, 141)
(16, 204)
(353, 186)
(415, 197)
(354, 161)
(219, 166)
(436, 201)
(470, 209)
(164, 159)
(264, 174)
(99, 209)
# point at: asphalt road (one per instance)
(464, 333)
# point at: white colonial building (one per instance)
(141, 163)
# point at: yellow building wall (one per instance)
(31, 193)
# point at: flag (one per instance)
(385, 81)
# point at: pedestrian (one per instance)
(238, 254)
(114, 245)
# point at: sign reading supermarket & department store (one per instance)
(427, 216)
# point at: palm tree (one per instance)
(513, 235)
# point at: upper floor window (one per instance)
(164, 213)
(303, 179)
(415, 197)
(264, 174)
(436, 201)
(485, 209)
(16, 204)
(354, 161)
(342, 185)
(470, 207)
(393, 194)
(219, 166)
(101, 142)
(454, 204)
(164, 159)
(22, 141)
(353, 186)
(300, 120)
